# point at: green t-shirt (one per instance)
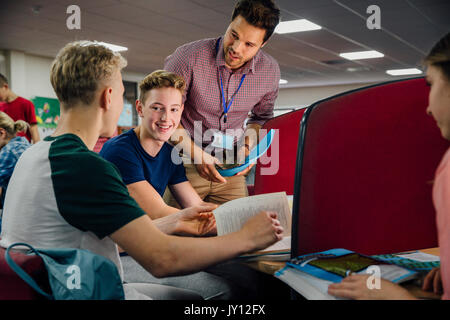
(63, 195)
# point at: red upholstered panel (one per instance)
(369, 159)
(14, 288)
(283, 155)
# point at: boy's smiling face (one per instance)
(161, 112)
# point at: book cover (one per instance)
(335, 264)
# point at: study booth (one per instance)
(364, 170)
(360, 167)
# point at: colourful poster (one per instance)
(47, 111)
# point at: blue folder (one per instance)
(257, 152)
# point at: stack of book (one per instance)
(311, 274)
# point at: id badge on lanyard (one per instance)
(223, 141)
(227, 106)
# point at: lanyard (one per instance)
(226, 106)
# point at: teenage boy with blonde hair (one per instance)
(83, 202)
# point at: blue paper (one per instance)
(257, 152)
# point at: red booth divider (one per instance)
(366, 162)
(281, 156)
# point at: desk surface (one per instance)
(270, 267)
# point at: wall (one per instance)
(303, 97)
(30, 76)
(37, 77)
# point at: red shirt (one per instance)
(199, 63)
(20, 109)
(441, 200)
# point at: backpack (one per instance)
(73, 274)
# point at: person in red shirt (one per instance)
(18, 108)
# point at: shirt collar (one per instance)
(248, 67)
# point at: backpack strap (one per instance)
(21, 273)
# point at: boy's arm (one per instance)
(150, 200)
(34, 132)
(164, 255)
(185, 194)
(168, 219)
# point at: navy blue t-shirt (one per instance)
(135, 164)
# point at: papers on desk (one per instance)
(309, 287)
(416, 261)
(419, 256)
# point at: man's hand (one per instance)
(196, 221)
(244, 152)
(207, 169)
(355, 287)
(262, 230)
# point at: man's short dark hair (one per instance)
(262, 14)
(3, 80)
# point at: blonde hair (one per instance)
(439, 56)
(79, 68)
(161, 79)
(11, 126)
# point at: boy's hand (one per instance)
(262, 230)
(196, 221)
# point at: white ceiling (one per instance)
(152, 29)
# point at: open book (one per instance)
(311, 274)
(232, 215)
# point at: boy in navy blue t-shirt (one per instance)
(147, 163)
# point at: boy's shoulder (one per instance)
(69, 152)
(121, 140)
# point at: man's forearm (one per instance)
(251, 135)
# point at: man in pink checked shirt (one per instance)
(227, 79)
